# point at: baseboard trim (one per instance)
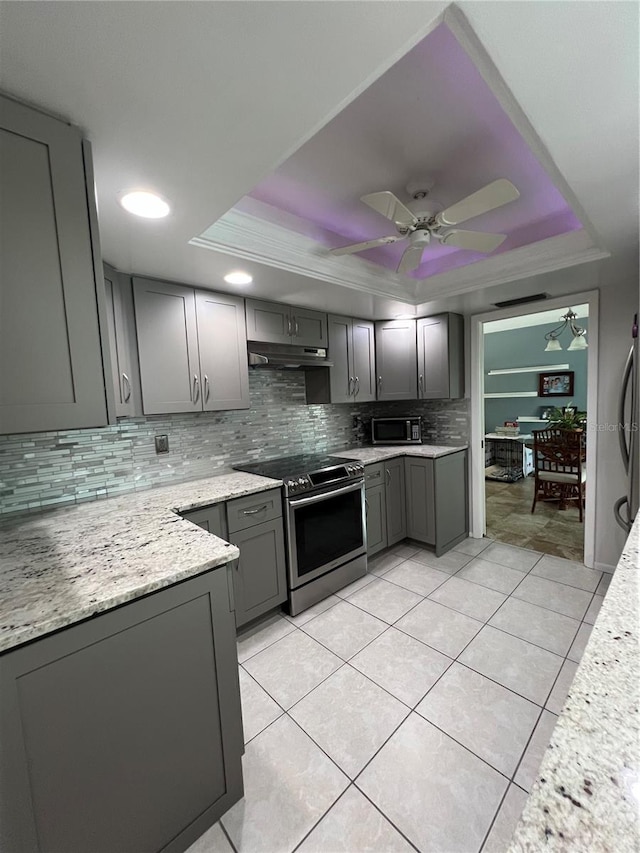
(605, 567)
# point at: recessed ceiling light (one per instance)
(238, 277)
(142, 203)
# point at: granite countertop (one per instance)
(587, 795)
(379, 452)
(60, 567)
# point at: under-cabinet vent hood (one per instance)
(286, 357)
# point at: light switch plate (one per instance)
(162, 444)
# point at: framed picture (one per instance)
(555, 384)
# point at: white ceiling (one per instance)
(203, 100)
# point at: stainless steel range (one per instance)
(325, 523)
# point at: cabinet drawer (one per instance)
(254, 509)
(374, 475)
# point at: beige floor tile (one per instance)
(212, 841)
(562, 687)
(450, 807)
(262, 635)
(472, 547)
(492, 575)
(506, 821)
(564, 599)
(594, 608)
(417, 577)
(450, 563)
(354, 825)
(526, 669)
(344, 629)
(568, 572)
(514, 558)
(439, 627)
(349, 717)
(402, 665)
(546, 628)
(530, 764)
(473, 600)
(286, 790)
(311, 612)
(258, 708)
(386, 601)
(579, 644)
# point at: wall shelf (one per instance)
(511, 394)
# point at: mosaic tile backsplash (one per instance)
(48, 469)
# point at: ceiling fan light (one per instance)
(553, 345)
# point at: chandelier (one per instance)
(579, 340)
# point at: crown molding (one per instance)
(243, 235)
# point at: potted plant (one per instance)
(567, 417)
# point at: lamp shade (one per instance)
(579, 342)
(553, 345)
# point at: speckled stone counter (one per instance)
(587, 796)
(60, 567)
(368, 455)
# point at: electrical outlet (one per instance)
(162, 444)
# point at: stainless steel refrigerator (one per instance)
(626, 507)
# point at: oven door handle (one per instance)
(325, 496)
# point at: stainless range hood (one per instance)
(286, 357)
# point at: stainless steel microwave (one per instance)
(396, 431)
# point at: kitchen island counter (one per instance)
(587, 794)
(379, 452)
(61, 567)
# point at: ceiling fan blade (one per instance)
(388, 205)
(411, 259)
(369, 244)
(477, 241)
(488, 198)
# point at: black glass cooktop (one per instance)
(292, 466)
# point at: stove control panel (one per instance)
(297, 484)
(355, 469)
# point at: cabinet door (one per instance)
(210, 518)
(309, 328)
(396, 360)
(340, 375)
(375, 504)
(260, 581)
(420, 499)
(137, 698)
(51, 371)
(440, 357)
(222, 344)
(364, 361)
(122, 347)
(268, 322)
(451, 501)
(396, 500)
(168, 347)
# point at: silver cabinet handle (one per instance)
(126, 396)
(420, 385)
(296, 328)
(206, 388)
(196, 388)
(356, 389)
(289, 327)
(254, 511)
(379, 384)
(388, 476)
(349, 391)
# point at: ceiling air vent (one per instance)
(521, 300)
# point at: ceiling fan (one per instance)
(431, 222)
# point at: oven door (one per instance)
(325, 530)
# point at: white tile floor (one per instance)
(424, 693)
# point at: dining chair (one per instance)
(559, 458)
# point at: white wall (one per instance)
(618, 302)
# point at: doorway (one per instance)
(521, 383)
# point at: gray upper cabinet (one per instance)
(441, 357)
(51, 367)
(223, 351)
(168, 347)
(352, 351)
(192, 349)
(272, 323)
(122, 343)
(396, 359)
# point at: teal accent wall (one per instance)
(523, 348)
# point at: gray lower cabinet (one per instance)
(437, 503)
(396, 515)
(260, 582)
(441, 357)
(51, 362)
(396, 359)
(270, 322)
(375, 504)
(192, 349)
(122, 343)
(213, 519)
(124, 732)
